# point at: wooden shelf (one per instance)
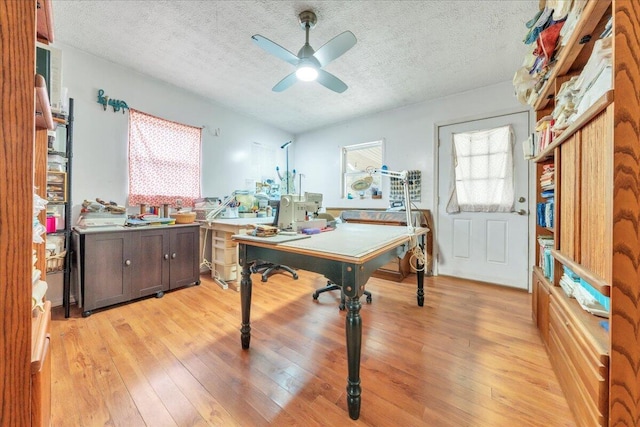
(589, 324)
(589, 20)
(44, 29)
(603, 287)
(599, 106)
(44, 119)
(39, 335)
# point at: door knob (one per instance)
(521, 212)
(521, 199)
(127, 262)
(166, 256)
(173, 255)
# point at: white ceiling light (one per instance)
(306, 73)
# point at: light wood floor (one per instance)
(470, 357)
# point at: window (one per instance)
(357, 162)
(164, 161)
(483, 169)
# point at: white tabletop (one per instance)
(347, 240)
(239, 221)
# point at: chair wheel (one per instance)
(369, 299)
(341, 307)
(295, 276)
(315, 296)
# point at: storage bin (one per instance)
(56, 262)
(226, 271)
(51, 224)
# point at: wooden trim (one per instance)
(625, 298)
(17, 127)
(45, 21)
(44, 119)
(40, 187)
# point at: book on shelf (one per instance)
(545, 262)
(544, 212)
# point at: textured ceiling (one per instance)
(407, 51)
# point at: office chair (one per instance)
(334, 287)
(268, 268)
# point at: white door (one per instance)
(491, 247)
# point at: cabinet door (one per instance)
(151, 272)
(185, 242)
(108, 264)
(542, 307)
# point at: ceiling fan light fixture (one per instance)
(306, 73)
(308, 62)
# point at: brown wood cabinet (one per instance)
(20, 390)
(120, 265)
(596, 233)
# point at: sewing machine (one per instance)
(299, 212)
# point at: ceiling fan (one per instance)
(309, 63)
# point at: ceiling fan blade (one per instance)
(275, 49)
(330, 81)
(335, 47)
(285, 83)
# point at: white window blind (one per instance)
(164, 160)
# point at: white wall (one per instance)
(100, 137)
(408, 133)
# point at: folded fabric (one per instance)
(548, 40)
(540, 24)
(560, 8)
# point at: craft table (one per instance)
(346, 256)
(222, 251)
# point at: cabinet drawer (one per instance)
(584, 409)
(578, 366)
(56, 186)
(224, 255)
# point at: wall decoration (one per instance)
(117, 104)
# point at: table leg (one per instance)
(420, 276)
(354, 344)
(245, 301)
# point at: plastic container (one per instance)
(51, 224)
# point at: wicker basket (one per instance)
(56, 262)
(184, 218)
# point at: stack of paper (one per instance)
(596, 77)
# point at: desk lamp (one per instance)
(289, 178)
(211, 215)
(364, 183)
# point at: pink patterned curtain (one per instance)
(164, 161)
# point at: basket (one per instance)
(184, 218)
(56, 262)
